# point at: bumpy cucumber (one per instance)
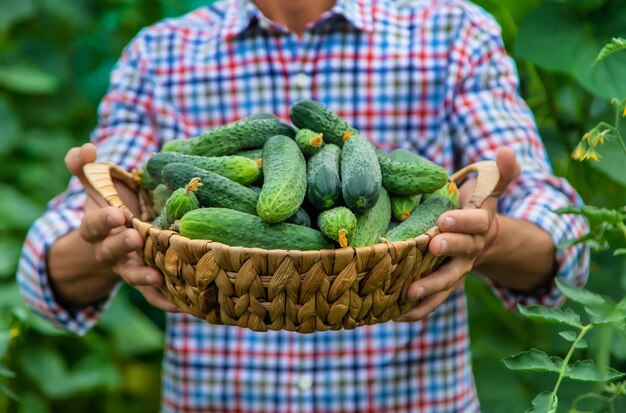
(360, 173)
(373, 223)
(309, 142)
(240, 229)
(405, 155)
(301, 217)
(215, 191)
(235, 168)
(143, 178)
(237, 136)
(181, 201)
(159, 196)
(339, 224)
(176, 145)
(251, 153)
(450, 191)
(410, 178)
(323, 182)
(284, 174)
(402, 206)
(421, 220)
(317, 117)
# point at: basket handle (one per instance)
(487, 178)
(100, 187)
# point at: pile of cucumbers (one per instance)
(259, 182)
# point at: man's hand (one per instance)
(114, 246)
(464, 235)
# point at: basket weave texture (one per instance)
(302, 291)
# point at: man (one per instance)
(428, 75)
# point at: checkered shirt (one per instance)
(431, 76)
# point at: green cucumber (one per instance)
(251, 153)
(284, 179)
(301, 217)
(159, 196)
(176, 145)
(143, 178)
(240, 229)
(373, 223)
(410, 178)
(423, 218)
(181, 201)
(402, 206)
(323, 182)
(216, 191)
(317, 117)
(309, 142)
(339, 224)
(405, 155)
(235, 168)
(237, 136)
(360, 173)
(450, 191)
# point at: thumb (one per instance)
(78, 157)
(508, 167)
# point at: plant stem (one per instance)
(618, 117)
(564, 365)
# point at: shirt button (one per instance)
(305, 382)
(302, 80)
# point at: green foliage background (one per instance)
(55, 57)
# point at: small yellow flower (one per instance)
(624, 113)
(578, 153)
(593, 156)
(14, 332)
(587, 137)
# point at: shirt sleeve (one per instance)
(126, 134)
(487, 113)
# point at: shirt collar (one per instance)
(240, 14)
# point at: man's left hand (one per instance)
(465, 233)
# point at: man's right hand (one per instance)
(102, 248)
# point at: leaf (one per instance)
(594, 214)
(8, 392)
(533, 360)
(586, 370)
(9, 125)
(17, 210)
(571, 336)
(543, 404)
(4, 372)
(27, 79)
(612, 162)
(551, 315)
(9, 256)
(620, 251)
(617, 44)
(580, 295)
(32, 403)
(13, 11)
(574, 46)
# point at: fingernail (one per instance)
(419, 293)
(447, 223)
(443, 246)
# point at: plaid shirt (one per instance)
(428, 75)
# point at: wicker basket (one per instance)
(303, 291)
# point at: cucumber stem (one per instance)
(193, 185)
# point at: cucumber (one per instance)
(405, 155)
(159, 196)
(423, 218)
(240, 229)
(450, 191)
(253, 154)
(410, 178)
(402, 206)
(373, 223)
(323, 182)
(284, 184)
(317, 117)
(143, 178)
(301, 217)
(339, 224)
(237, 136)
(235, 168)
(360, 174)
(215, 191)
(176, 145)
(309, 142)
(181, 201)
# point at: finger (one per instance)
(467, 221)
(443, 279)
(135, 273)
(117, 246)
(157, 299)
(428, 305)
(508, 166)
(77, 157)
(96, 225)
(456, 245)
